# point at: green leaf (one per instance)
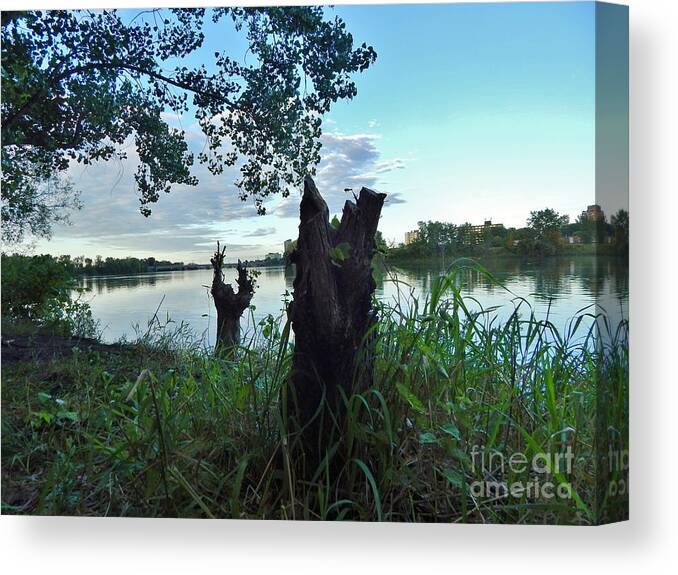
(373, 485)
(43, 415)
(340, 252)
(454, 477)
(72, 415)
(408, 396)
(452, 430)
(427, 437)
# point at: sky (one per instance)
(471, 112)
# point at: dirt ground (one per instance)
(44, 347)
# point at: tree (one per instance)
(545, 226)
(545, 221)
(78, 84)
(436, 236)
(463, 237)
(380, 242)
(229, 303)
(32, 201)
(592, 229)
(31, 283)
(620, 227)
(331, 314)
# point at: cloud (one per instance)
(393, 199)
(259, 233)
(189, 219)
(372, 124)
(348, 161)
(182, 221)
(171, 116)
(389, 165)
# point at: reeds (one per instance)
(455, 396)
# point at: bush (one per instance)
(39, 289)
(30, 283)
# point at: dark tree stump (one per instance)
(332, 312)
(229, 304)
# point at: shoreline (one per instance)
(503, 255)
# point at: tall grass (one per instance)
(157, 432)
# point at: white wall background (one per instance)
(648, 542)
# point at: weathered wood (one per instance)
(230, 305)
(332, 312)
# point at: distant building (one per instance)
(594, 212)
(273, 256)
(289, 246)
(411, 237)
(475, 235)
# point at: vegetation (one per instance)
(546, 234)
(39, 290)
(32, 206)
(78, 84)
(159, 429)
(80, 265)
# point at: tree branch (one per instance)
(36, 96)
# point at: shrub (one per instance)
(40, 289)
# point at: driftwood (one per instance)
(332, 313)
(230, 305)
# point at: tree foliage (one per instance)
(28, 283)
(620, 226)
(593, 230)
(33, 200)
(76, 85)
(42, 290)
(545, 221)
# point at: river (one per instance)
(556, 288)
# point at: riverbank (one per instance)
(150, 430)
(400, 256)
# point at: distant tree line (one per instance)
(82, 265)
(547, 233)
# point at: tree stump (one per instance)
(331, 313)
(229, 304)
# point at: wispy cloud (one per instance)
(393, 199)
(191, 219)
(260, 233)
(389, 165)
(349, 161)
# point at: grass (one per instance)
(457, 402)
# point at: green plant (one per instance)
(171, 432)
(41, 289)
(30, 283)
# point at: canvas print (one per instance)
(353, 262)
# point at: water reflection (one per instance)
(104, 284)
(559, 288)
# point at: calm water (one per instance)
(557, 288)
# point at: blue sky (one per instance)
(471, 112)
